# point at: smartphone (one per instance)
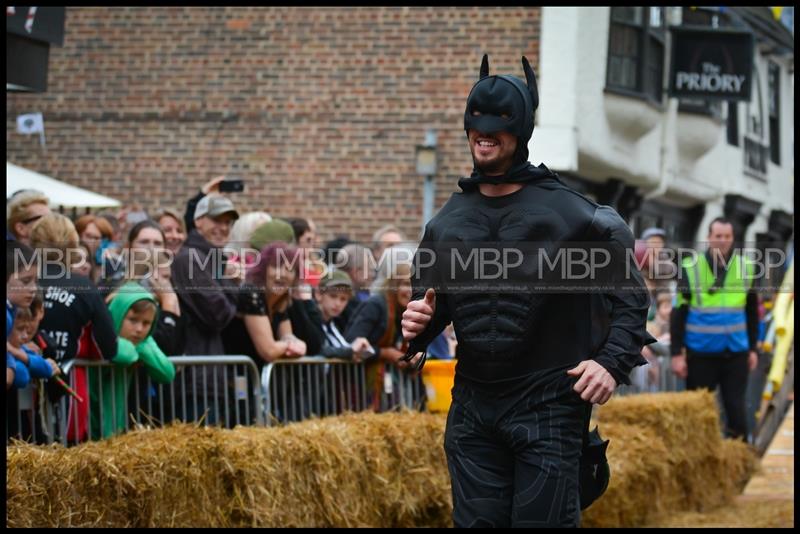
(231, 186)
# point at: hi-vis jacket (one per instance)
(717, 321)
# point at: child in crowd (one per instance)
(334, 292)
(41, 343)
(23, 423)
(134, 311)
(20, 291)
(19, 347)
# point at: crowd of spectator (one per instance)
(133, 288)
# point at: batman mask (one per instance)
(506, 104)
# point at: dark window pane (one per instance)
(624, 41)
(774, 113)
(623, 57)
(614, 69)
(755, 156)
(775, 140)
(628, 14)
(632, 42)
(733, 124)
(654, 69)
(773, 78)
(616, 44)
(755, 109)
(629, 74)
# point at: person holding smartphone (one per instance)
(218, 184)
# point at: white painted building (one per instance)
(606, 124)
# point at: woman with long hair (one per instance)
(378, 319)
(271, 324)
(174, 229)
(98, 235)
(262, 328)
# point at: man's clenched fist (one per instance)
(595, 384)
(418, 314)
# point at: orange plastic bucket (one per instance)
(438, 376)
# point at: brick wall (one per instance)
(317, 109)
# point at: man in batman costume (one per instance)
(534, 354)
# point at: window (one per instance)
(733, 123)
(654, 66)
(755, 119)
(636, 51)
(624, 47)
(774, 77)
(756, 150)
(755, 156)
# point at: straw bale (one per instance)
(666, 454)
(144, 478)
(353, 470)
(683, 420)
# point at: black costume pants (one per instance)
(730, 372)
(513, 455)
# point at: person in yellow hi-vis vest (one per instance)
(714, 328)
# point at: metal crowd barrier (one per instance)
(402, 390)
(640, 381)
(225, 390)
(214, 390)
(311, 386)
(314, 386)
(667, 380)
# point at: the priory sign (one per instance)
(711, 64)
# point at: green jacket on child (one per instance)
(108, 388)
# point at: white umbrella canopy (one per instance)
(59, 193)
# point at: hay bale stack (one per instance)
(666, 454)
(354, 470)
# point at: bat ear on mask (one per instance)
(531, 79)
(485, 66)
